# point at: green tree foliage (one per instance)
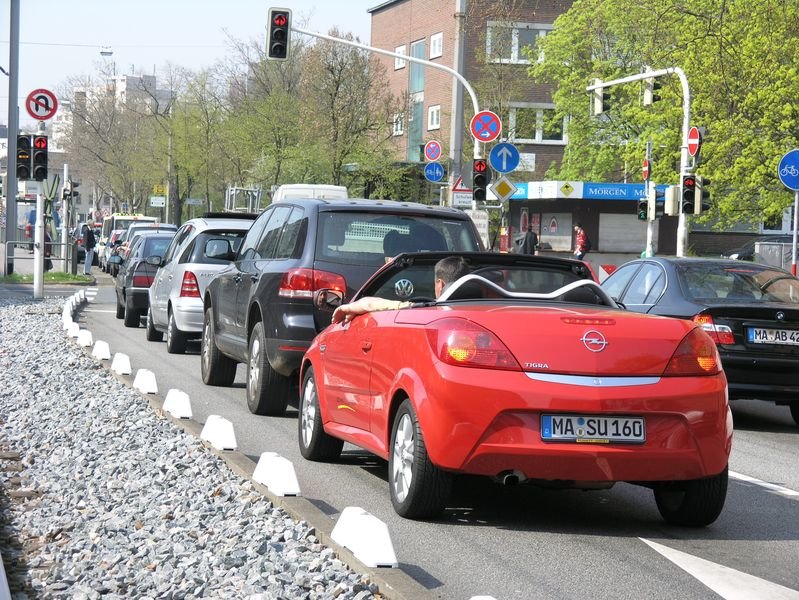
(739, 59)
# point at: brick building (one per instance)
(491, 43)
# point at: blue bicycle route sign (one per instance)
(788, 170)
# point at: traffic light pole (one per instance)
(682, 229)
(650, 223)
(421, 61)
(13, 130)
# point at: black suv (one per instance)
(260, 309)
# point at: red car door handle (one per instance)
(366, 346)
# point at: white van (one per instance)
(308, 190)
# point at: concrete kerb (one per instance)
(394, 584)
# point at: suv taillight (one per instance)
(302, 283)
(189, 288)
(721, 334)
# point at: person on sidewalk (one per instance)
(529, 243)
(582, 245)
(88, 243)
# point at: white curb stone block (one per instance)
(101, 351)
(73, 330)
(277, 473)
(145, 382)
(121, 364)
(218, 432)
(82, 296)
(366, 537)
(67, 321)
(85, 338)
(177, 404)
(75, 297)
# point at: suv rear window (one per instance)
(370, 238)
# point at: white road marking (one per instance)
(91, 310)
(769, 486)
(724, 581)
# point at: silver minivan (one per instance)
(176, 305)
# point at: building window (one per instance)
(529, 123)
(415, 127)
(416, 75)
(399, 63)
(434, 117)
(398, 126)
(436, 45)
(512, 42)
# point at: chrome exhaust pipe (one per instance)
(511, 477)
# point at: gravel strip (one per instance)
(114, 502)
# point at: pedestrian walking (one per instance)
(582, 245)
(529, 243)
(88, 243)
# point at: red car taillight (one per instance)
(696, 355)
(465, 344)
(141, 278)
(302, 283)
(721, 334)
(189, 288)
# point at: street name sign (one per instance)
(157, 201)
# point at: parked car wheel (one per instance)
(175, 340)
(267, 391)
(694, 503)
(153, 335)
(315, 444)
(215, 367)
(120, 309)
(418, 488)
(132, 316)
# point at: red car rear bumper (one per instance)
(489, 422)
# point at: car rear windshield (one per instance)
(738, 284)
(371, 238)
(195, 251)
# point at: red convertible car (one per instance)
(524, 370)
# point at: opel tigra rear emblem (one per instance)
(594, 341)
(403, 288)
(780, 315)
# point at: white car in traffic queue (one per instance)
(176, 304)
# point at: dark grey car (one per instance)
(750, 310)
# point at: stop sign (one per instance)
(694, 141)
(645, 169)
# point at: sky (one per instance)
(60, 39)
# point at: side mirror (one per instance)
(219, 249)
(115, 259)
(153, 260)
(328, 300)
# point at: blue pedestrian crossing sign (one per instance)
(434, 171)
(504, 157)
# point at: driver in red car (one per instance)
(446, 271)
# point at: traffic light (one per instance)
(672, 201)
(600, 99)
(23, 157)
(651, 85)
(278, 32)
(702, 194)
(660, 202)
(643, 208)
(481, 177)
(40, 157)
(73, 185)
(688, 194)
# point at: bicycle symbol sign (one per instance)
(788, 170)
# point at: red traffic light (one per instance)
(40, 142)
(480, 166)
(689, 182)
(280, 20)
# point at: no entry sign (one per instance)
(694, 141)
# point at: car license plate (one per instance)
(761, 335)
(593, 429)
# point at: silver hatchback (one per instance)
(176, 305)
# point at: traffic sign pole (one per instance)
(650, 224)
(788, 172)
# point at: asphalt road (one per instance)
(523, 542)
